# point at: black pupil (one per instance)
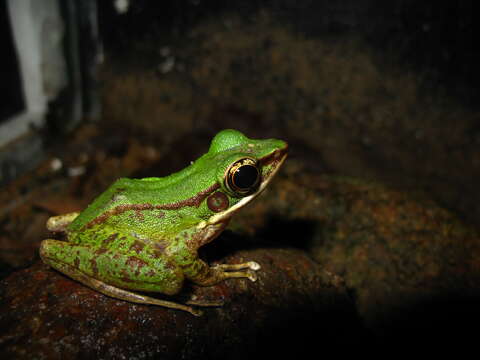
(245, 176)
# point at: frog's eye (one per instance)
(243, 176)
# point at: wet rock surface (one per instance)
(411, 266)
(347, 265)
(403, 266)
(49, 315)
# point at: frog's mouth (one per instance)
(275, 160)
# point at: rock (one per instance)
(411, 266)
(47, 314)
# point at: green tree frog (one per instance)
(144, 234)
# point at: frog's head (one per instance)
(244, 168)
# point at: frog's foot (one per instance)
(231, 270)
(60, 222)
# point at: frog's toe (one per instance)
(196, 312)
(252, 276)
(253, 265)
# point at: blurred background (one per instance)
(364, 88)
(385, 91)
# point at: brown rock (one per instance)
(49, 315)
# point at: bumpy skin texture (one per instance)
(143, 234)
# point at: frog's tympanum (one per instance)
(144, 234)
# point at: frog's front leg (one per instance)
(202, 274)
(228, 271)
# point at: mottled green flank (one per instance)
(143, 234)
(226, 147)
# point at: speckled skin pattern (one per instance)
(143, 234)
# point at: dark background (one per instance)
(383, 91)
(435, 37)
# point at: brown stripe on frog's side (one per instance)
(193, 201)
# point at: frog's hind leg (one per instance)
(47, 253)
(127, 295)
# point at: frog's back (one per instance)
(147, 191)
(106, 201)
(177, 188)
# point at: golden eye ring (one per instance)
(243, 176)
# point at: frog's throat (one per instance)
(224, 215)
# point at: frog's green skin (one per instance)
(143, 234)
